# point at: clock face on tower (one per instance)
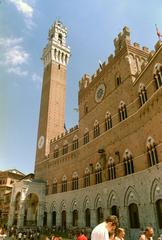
(100, 92)
(41, 142)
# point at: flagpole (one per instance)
(158, 33)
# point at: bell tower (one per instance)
(52, 108)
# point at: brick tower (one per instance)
(52, 109)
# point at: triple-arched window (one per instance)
(96, 131)
(151, 152)
(122, 111)
(142, 94)
(157, 74)
(111, 169)
(108, 121)
(128, 162)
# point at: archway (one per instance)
(64, 219)
(30, 210)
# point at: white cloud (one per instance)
(13, 56)
(26, 10)
(18, 71)
(16, 56)
(36, 79)
(23, 7)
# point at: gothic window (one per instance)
(96, 131)
(54, 186)
(86, 108)
(98, 173)
(56, 152)
(99, 215)
(75, 181)
(118, 79)
(152, 152)
(65, 148)
(159, 212)
(63, 219)
(64, 184)
(142, 94)
(115, 210)
(60, 38)
(134, 216)
(86, 136)
(75, 144)
(54, 218)
(111, 169)
(87, 217)
(122, 111)
(157, 74)
(108, 121)
(128, 162)
(75, 218)
(87, 178)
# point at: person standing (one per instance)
(148, 234)
(120, 234)
(101, 231)
(82, 236)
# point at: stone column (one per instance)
(11, 214)
(93, 218)
(58, 219)
(49, 219)
(69, 219)
(81, 219)
(20, 222)
(40, 215)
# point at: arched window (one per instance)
(86, 108)
(86, 136)
(142, 94)
(75, 218)
(118, 79)
(54, 218)
(96, 131)
(99, 215)
(75, 181)
(134, 216)
(128, 162)
(65, 148)
(87, 177)
(75, 144)
(56, 152)
(60, 38)
(54, 186)
(64, 184)
(87, 218)
(122, 111)
(157, 74)
(98, 173)
(159, 212)
(115, 210)
(151, 152)
(111, 169)
(108, 121)
(63, 216)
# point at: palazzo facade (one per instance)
(111, 162)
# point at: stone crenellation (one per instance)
(121, 42)
(62, 135)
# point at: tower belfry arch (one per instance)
(52, 109)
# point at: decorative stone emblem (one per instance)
(100, 92)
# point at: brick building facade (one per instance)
(111, 162)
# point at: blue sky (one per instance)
(24, 24)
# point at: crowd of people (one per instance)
(107, 230)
